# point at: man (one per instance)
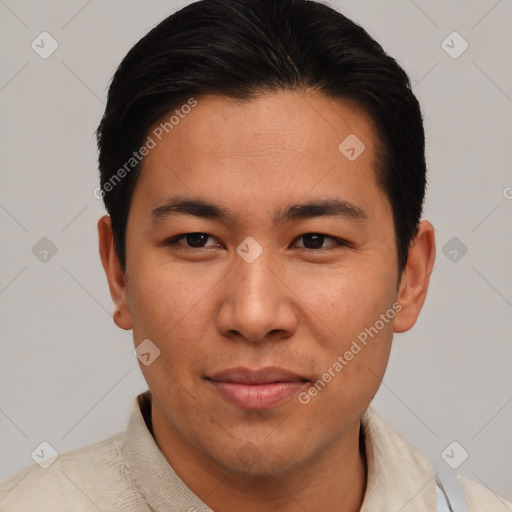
(262, 163)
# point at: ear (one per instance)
(115, 276)
(416, 277)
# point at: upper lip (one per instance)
(268, 375)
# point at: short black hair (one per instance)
(240, 49)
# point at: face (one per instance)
(261, 262)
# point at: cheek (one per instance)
(357, 309)
(170, 309)
(351, 377)
(345, 301)
(164, 298)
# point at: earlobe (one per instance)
(416, 277)
(115, 275)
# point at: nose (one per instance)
(257, 304)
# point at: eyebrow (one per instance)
(325, 207)
(181, 205)
(188, 206)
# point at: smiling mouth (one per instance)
(256, 389)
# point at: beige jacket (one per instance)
(129, 473)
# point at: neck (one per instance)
(332, 480)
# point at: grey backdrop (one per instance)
(67, 373)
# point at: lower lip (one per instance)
(257, 396)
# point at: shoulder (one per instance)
(479, 497)
(87, 477)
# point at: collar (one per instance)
(399, 476)
(161, 486)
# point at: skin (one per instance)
(294, 307)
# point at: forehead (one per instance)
(276, 147)
(305, 121)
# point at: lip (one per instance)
(256, 389)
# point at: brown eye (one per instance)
(316, 241)
(196, 239)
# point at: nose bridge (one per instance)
(256, 284)
(257, 302)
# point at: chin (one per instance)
(261, 459)
(264, 468)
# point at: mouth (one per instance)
(256, 389)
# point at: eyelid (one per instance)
(176, 240)
(337, 241)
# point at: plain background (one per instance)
(67, 373)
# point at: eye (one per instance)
(317, 240)
(193, 240)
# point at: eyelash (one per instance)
(338, 241)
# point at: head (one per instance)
(284, 122)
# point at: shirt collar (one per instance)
(161, 486)
(400, 478)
